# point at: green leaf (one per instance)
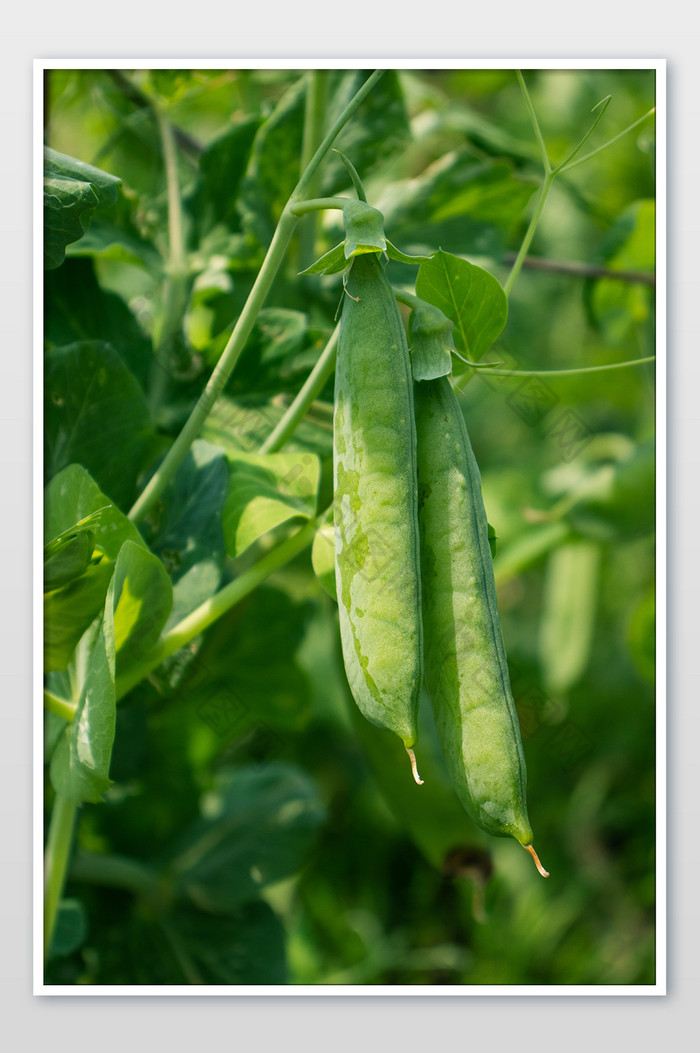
(379, 134)
(245, 676)
(469, 205)
(213, 200)
(70, 610)
(70, 930)
(188, 536)
(332, 262)
(245, 946)
(72, 192)
(72, 498)
(470, 297)
(76, 308)
(617, 501)
(259, 826)
(266, 490)
(143, 598)
(323, 558)
(273, 168)
(403, 257)
(97, 416)
(616, 307)
(242, 426)
(80, 763)
(70, 561)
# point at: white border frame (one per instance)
(659, 987)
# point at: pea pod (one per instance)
(376, 506)
(465, 663)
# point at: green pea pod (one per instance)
(376, 505)
(465, 662)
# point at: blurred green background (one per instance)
(258, 831)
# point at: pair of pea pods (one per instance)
(414, 573)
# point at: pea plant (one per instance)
(349, 513)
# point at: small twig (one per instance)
(582, 270)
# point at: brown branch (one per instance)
(583, 270)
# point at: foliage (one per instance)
(238, 822)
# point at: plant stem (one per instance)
(562, 372)
(58, 846)
(60, 706)
(116, 872)
(535, 123)
(604, 146)
(316, 204)
(246, 320)
(175, 283)
(314, 116)
(530, 233)
(213, 608)
(299, 407)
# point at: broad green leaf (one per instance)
(374, 136)
(80, 763)
(76, 308)
(273, 168)
(273, 171)
(470, 206)
(72, 192)
(70, 610)
(189, 536)
(618, 306)
(243, 946)
(70, 561)
(71, 498)
(266, 490)
(323, 558)
(96, 415)
(245, 676)
(567, 619)
(470, 297)
(617, 501)
(71, 928)
(143, 597)
(258, 827)
(241, 427)
(213, 200)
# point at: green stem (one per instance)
(300, 406)
(60, 706)
(316, 204)
(562, 372)
(175, 284)
(314, 119)
(58, 846)
(535, 123)
(530, 233)
(246, 320)
(213, 608)
(116, 872)
(604, 146)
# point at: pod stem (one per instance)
(530, 849)
(414, 766)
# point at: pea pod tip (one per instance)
(531, 850)
(414, 766)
